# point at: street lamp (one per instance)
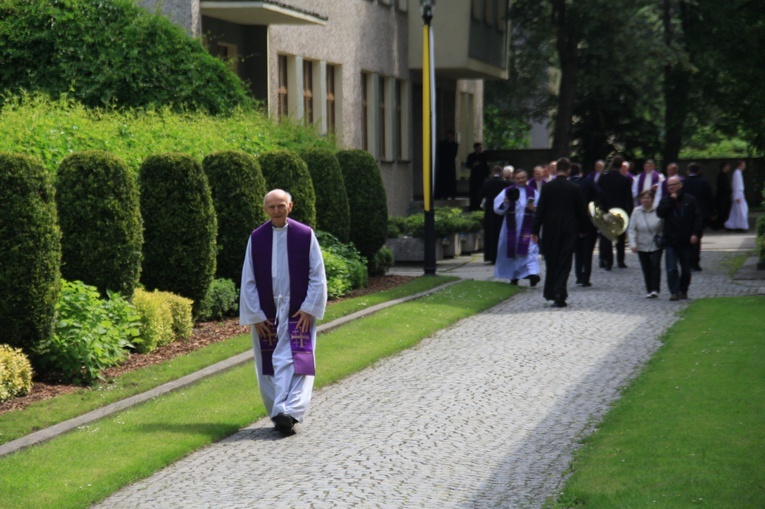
(428, 122)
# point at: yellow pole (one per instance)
(427, 185)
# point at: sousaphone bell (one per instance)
(610, 224)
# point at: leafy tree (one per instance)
(332, 214)
(100, 218)
(180, 227)
(110, 54)
(238, 188)
(30, 250)
(286, 170)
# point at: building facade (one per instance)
(353, 68)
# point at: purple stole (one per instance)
(298, 259)
(641, 180)
(522, 249)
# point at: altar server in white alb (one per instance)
(739, 210)
(283, 293)
(517, 254)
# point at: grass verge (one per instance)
(46, 413)
(86, 465)
(689, 431)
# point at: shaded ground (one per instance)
(204, 333)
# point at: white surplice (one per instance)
(738, 218)
(284, 392)
(520, 266)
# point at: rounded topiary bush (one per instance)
(332, 212)
(30, 252)
(286, 170)
(366, 199)
(15, 373)
(179, 226)
(100, 218)
(238, 188)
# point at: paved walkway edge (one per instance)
(243, 358)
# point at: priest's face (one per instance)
(520, 178)
(278, 207)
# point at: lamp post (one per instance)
(428, 122)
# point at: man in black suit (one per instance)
(561, 217)
(616, 192)
(479, 171)
(585, 245)
(492, 222)
(695, 185)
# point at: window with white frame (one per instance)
(331, 115)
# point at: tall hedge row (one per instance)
(111, 53)
(100, 219)
(332, 213)
(286, 170)
(180, 226)
(366, 199)
(238, 188)
(30, 252)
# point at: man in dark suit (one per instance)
(616, 192)
(479, 171)
(695, 185)
(585, 245)
(561, 217)
(492, 222)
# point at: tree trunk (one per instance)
(677, 85)
(566, 42)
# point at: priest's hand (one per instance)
(263, 328)
(304, 320)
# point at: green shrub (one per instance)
(345, 268)
(447, 221)
(110, 54)
(222, 300)
(332, 212)
(238, 187)
(156, 321)
(100, 218)
(366, 200)
(180, 310)
(179, 227)
(15, 373)
(396, 227)
(760, 238)
(381, 262)
(287, 171)
(91, 334)
(30, 252)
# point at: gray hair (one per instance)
(288, 195)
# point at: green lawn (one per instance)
(46, 413)
(690, 431)
(86, 465)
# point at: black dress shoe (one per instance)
(558, 303)
(622, 265)
(284, 423)
(674, 297)
(514, 282)
(534, 279)
(696, 268)
(587, 284)
(683, 295)
(607, 268)
(578, 282)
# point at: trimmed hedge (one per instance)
(30, 252)
(156, 321)
(180, 226)
(15, 373)
(180, 311)
(238, 187)
(332, 211)
(222, 300)
(286, 170)
(366, 199)
(111, 53)
(100, 218)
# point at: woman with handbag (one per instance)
(645, 237)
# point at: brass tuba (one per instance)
(610, 224)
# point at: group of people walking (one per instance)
(545, 214)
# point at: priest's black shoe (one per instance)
(284, 423)
(534, 279)
(559, 303)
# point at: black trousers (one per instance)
(651, 265)
(607, 250)
(583, 256)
